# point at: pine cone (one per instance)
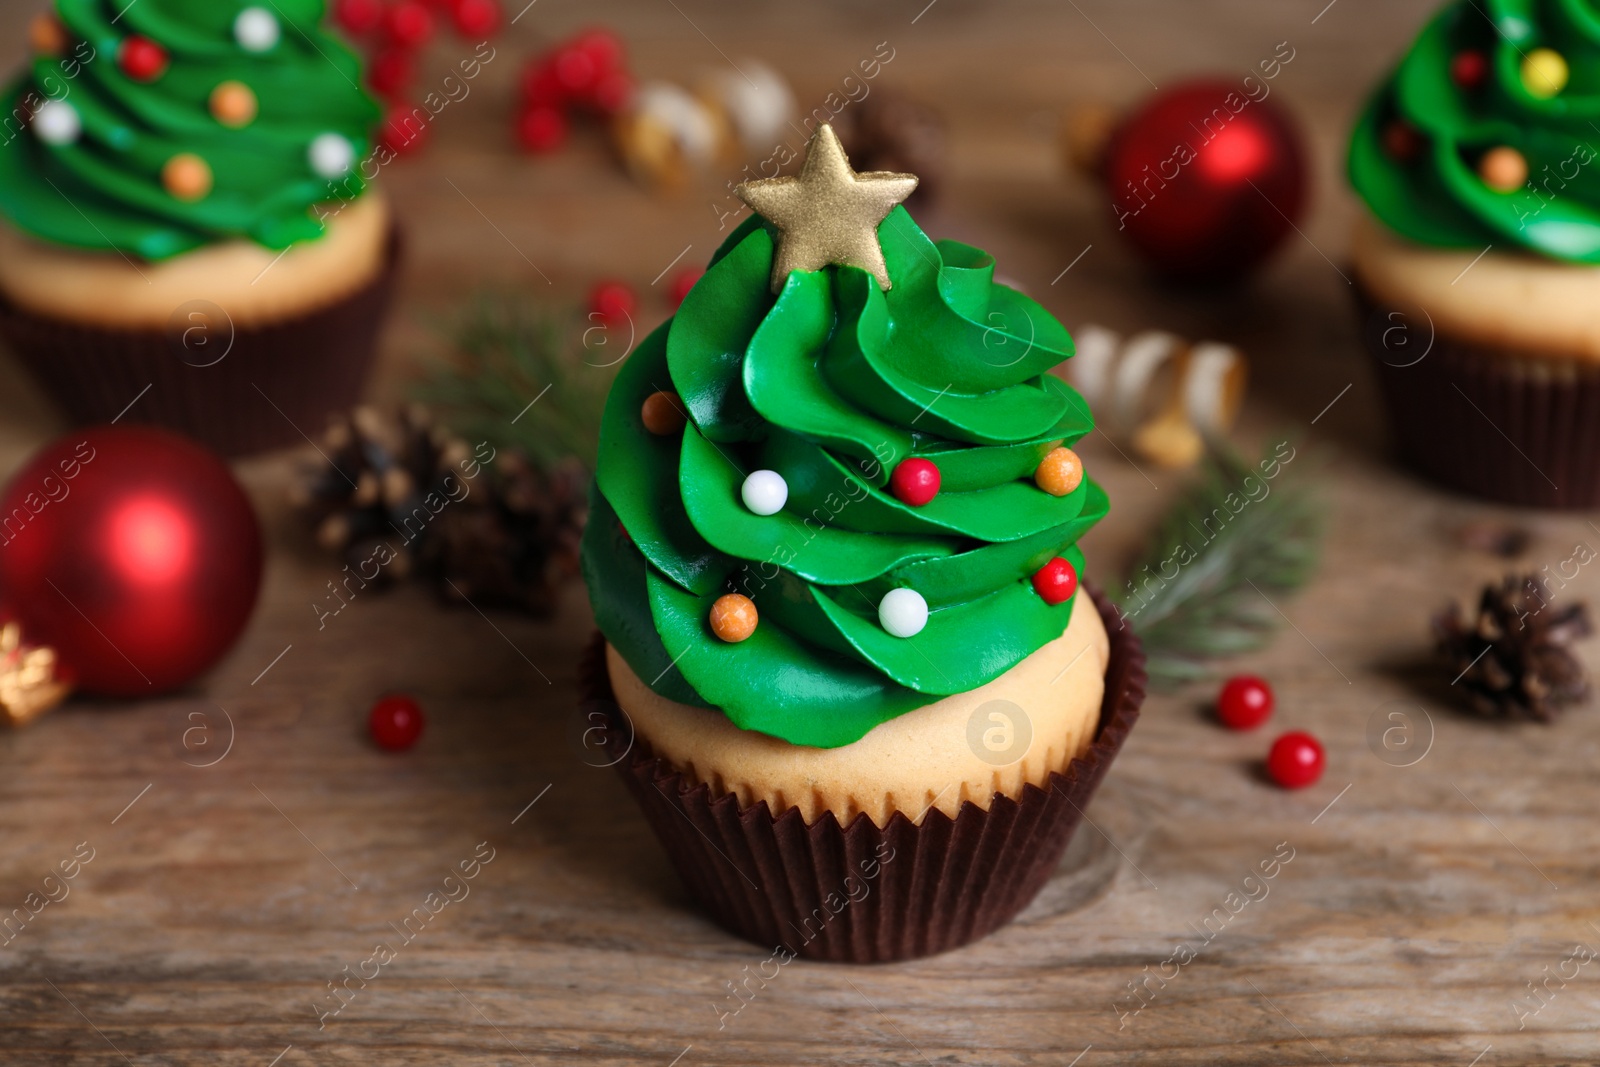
(1514, 659)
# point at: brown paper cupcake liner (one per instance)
(861, 893)
(274, 383)
(1484, 419)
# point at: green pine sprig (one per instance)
(1201, 589)
(505, 354)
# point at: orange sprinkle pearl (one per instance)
(1503, 169)
(47, 36)
(233, 104)
(662, 414)
(733, 617)
(187, 176)
(1060, 472)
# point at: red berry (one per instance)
(602, 47)
(391, 72)
(410, 24)
(405, 129)
(1469, 68)
(678, 288)
(396, 722)
(476, 18)
(1056, 581)
(612, 92)
(358, 17)
(1245, 702)
(576, 71)
(539, 84)
(542, 128)
(915, 481)
(613, 302)
(1296, 760)
(142, 59)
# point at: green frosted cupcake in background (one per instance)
(184, 205)
(833, 555)
(1478, 261)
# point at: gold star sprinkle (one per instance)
(828, 213)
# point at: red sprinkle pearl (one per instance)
(542, 128)
(142, 59)
(1401, 140)
(1056, 581)
(678, 288)
(1296, 760)
(1468, 69)
(613, 301)
(476, 18)
(396, 722)
(358, 17)
(1245, 702)
(915, 481)
(410, 24)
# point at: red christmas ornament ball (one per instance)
(613, 302)
(575, 71)
(681, 283)
(476, 18)
(1056, 581)
(915, 481)
(358, 17)
(395, 722)
(133, 552)
(542, 128)
(1245, 702)
(142, 59)
(1206, 182)
(1296, 760)
(409, 24)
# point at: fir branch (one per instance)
(1198, 592)
(506, 355)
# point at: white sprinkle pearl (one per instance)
(903, 612)
(256, 29)
(57, 122)
(765, 492)
(331, 155)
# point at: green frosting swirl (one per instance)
(832, 383)
(1435, 195)
(104, 189)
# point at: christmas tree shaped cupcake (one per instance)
(1478, 261)
(184, 207)
(833, 554)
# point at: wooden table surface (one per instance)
(1420, 901)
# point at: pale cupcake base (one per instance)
(254, 285)
(1527, 305)
(915, 763)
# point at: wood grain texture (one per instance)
(1419, 901)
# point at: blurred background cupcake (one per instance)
(187, 234)
(1478, 268)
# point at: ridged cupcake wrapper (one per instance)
(861, 894)
(309, 366)
(1516, 427)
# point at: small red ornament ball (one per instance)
(1296, 760)
(603, 48)
(683, 281)
(1468, 69)
(915, 481)
(358, 17)
(396, 722)
(1245, 702)
(142, 59)
(391, 72)
(1205, 182)
(131, 551)
(476, 18)
(405, 129)
(1056, 581)
(613, 302)
(542, 128)
(409, 24)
